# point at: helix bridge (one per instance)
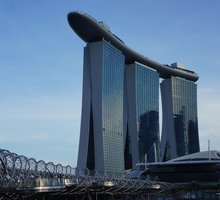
(26, 178)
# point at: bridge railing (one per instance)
(17, 172)
(17, 168)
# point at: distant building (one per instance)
(180, 124)
(142, 114)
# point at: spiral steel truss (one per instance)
(18, 170)
(27, 176)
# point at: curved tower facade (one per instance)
(180, 124)
(101, 136)
(142, 107)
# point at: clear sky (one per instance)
(41, 62)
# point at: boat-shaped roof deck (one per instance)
(90, 30)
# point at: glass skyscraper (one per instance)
(180, 123)
(120, 104)
(101, 138)
(142, 114)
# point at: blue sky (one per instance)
(41, 65)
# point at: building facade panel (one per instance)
(180, 123)
(143, 112)
(102, 122)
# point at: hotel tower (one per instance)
(120, 103)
